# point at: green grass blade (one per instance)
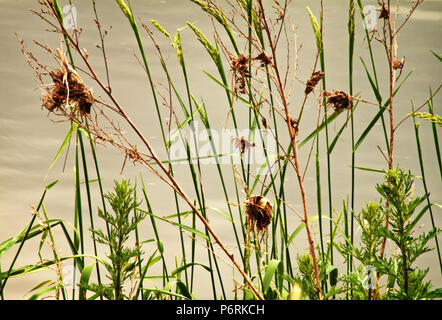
(435, 135)
(84, 280)
(378, 115)
(187, 228)
(270, 271)
(327, 121)
(64, 144)
(182, 268)
(438, 57)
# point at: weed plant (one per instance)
(250, 49)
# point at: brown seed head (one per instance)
(68, 86)
(259, 213)
(398, 64)
(313, 81)
(339, 100)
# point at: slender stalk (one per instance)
(424, 183)
(324, 88)
(435, 136)
(351, 33)
(89, 200)
(294, 147)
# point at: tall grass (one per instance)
(248, 57)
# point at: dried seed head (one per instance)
(398, 64)
(67, 87)
(384, 12)
(313, 81)
(259, 213)
(339, 100)
(240, 68)
(264, 59)
(241, 65)
(243, 144)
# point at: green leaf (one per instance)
(411, 225)
(40, 285)
(436, 55)
(221, 212)
(373, 85)
(332, 272)
(191, 230)
(270, 271)
(370, 169)
(64, 144)
(321, 126)
(184, 290)
(84, 279)
(35, 296)
(49, 186)
(300, 227)
(182, 268)
(335, 140)
(377, 116)
(6, 245)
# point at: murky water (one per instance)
(29, 140)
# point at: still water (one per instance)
(29, 138)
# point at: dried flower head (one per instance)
(259, 213)
(339, 100)
(384, 12)
(243, 144)
(240, 68)
(313, 81)
(398, 64)
(68, 87)
(264, 59)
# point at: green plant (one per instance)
(404, 281)
(123, 259)
(254, 69)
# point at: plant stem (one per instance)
(294, 147)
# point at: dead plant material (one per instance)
(294, 124)
(398, 64)
(264, 123)
(240, 68)
(263, 59)
(339, 100)
(243, 144)
(68, 87)
(259, 213)
(384, 12)
(313, 81)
